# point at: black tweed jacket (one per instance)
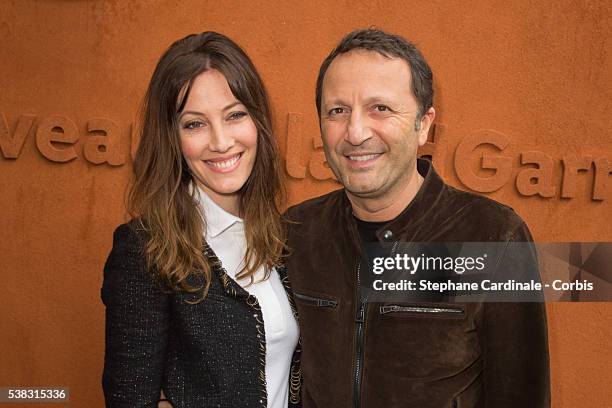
(209, 354)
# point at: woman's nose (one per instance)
(221, 140)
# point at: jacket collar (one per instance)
(217, 219)
(415, 212)
(233, 289)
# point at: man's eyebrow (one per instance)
(368, 101)
(336, 101)
(378, 99)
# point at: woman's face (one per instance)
(218, 139)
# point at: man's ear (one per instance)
(425, 122)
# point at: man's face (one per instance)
(368, 116)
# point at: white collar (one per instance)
(217, 219)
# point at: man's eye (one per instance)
(382, 108)
(194, 124)
(237, 115)
(336, 111)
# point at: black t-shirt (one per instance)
(367, 229)
(370, 245)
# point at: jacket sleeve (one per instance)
(136, 325)
(516, 362)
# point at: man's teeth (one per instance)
(363, 158)
(226, 163)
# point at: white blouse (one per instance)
(225, 235)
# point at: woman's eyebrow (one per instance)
(190, 113)
(231, 105)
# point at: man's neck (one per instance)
(389, 206)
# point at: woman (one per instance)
(197, 304)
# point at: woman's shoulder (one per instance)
(131, 234)
(125, 269)
(129, 240)
(133, 227)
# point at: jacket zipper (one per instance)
(315, 301)
(420, 309)
(359, 329)
(360, 319)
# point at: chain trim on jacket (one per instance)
(261, 337)
(295, 377)
(230, 288)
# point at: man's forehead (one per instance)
(361, 57)
(367, 69)
(364, 62)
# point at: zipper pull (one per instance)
(360, 318)
(388, 309)
(325, 303)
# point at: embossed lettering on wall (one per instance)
(481, 160)
(530, 180)
(57, 135)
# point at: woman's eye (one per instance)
(193, 124)
(237, 115)
(335, 111)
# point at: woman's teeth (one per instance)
(225, 163)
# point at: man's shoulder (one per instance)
(478, 202)
(488, 214)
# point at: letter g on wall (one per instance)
(501, 164)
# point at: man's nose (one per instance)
(220, 140)
(358, 129)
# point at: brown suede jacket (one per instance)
(356, 354)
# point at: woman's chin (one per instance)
(226, 189)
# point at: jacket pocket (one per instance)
(431, 310)
(315, 301)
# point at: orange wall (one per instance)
(537, 73)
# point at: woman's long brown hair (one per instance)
(160, 197)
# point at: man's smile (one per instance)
(362, 159)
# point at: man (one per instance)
(374, 99)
